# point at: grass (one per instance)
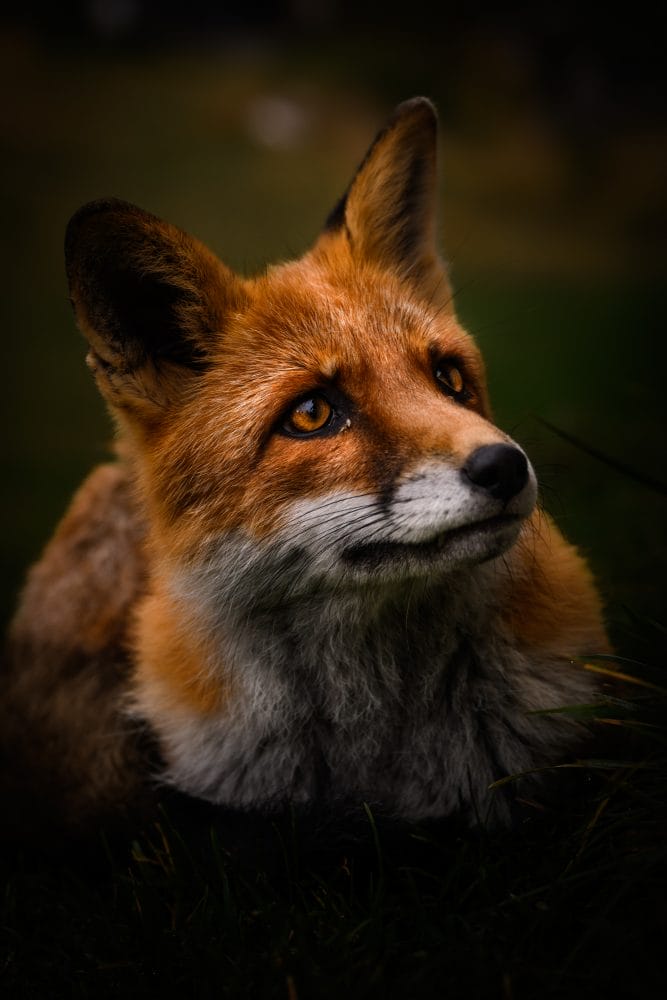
(566, 301)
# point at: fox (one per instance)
(315, 571)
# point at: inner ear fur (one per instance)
(146, 295)
(388, 214)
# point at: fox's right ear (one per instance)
(149, 298)
(388, 214)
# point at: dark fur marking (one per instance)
(139, 317)
(386, 498)
(336, 218)
(140, 314)
(408, 215)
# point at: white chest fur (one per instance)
(415, 703)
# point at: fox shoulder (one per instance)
(68, 603)
(64, 736)
(551, 600)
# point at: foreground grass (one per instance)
(570, 903)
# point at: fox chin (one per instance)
(316, 571)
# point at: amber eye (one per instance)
(452, 381)
(309, 415)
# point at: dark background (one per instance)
(243, 122)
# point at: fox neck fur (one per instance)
(413, 696)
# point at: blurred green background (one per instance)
(243, 123)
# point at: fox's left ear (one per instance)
(388, 214)
(151, 300)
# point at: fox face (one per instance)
(331, 414)
(350, 591)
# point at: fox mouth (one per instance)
(481, 540)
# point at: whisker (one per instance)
(336, 500)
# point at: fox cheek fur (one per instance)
(317, 573)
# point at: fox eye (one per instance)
(451, 380)
(309, 415)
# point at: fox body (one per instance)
(317, 572)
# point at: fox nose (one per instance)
(499, 469)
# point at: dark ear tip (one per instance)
(112, 207)
(414, 123)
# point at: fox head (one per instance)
(324, 424)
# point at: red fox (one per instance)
(316, 572)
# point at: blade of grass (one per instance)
(625, 470)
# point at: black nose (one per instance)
(499, 469)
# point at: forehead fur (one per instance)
(306, 317)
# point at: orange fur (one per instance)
(552, 601)
(173, 662)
